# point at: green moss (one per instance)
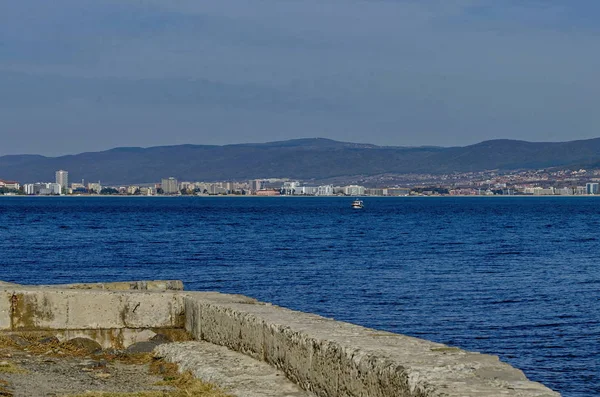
(11, 368)
(27, 311)
(446, 349)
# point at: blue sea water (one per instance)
(515, 277)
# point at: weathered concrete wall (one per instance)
(336, 359)
(113, 338)
(330, 358)
(29, 309)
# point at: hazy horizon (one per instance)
(91, 75)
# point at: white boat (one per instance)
(357, 204)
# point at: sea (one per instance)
(517, 277)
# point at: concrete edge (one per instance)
(327, 357)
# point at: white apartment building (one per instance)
(592, 188)
(306, 190)
(170, 186)
(43, 189)
(290, 188)
(325, 190)
(10, 184)
(94, 187)
(62, 178)
(565, 191)
(354, 190)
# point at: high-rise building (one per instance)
(592, 188)
(255, 185)
(170, 186)
(62, 178)
(325, 190)
(354, 190)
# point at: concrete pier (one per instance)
(322, 356)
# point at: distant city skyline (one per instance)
(82, 75)
(488, 183)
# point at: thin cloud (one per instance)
(400, 72)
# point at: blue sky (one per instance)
(87, 75)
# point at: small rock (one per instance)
(4, 364)
(142, 347)
(110, 352)
(49, 340)
(102, 375)
(19, 340)
(161, 338)
(93, 364)
(85, 344)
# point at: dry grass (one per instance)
(136, 394)
(10, 368)
(188, 386)
(65, 349)
(166, 370)
(184, 385)
(37, 348)
(3, 389)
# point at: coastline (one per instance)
(298, 196)
(300, 350)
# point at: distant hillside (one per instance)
(314, 158)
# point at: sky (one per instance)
(89, 75)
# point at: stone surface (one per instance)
(338, 359)
(19, 340)
(49, 340)
(85, 344)
(93, 364)
(327, 357)
(37, 309)
(44, 376)
(161, 338)
(118, 338)
(143, 347)
(238, 374)
(5, 307)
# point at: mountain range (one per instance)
(305, 159)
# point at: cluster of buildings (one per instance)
(272, 187)
(588, 189)
(296, 188)
(9, 185)
(59, 187)
(533, 183)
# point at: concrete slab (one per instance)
(48, 308)
(338, 359)
(236, 373)
(5, 310)
(327, 357)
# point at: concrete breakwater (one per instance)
(323, 356)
